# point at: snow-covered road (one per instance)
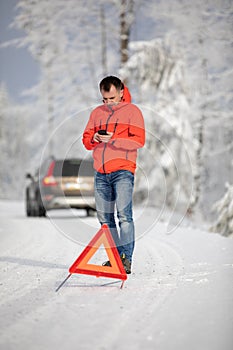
(179, 296)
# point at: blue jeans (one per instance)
(116, 190)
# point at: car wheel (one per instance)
(28, 206)
(42, 211)
(36, 208)
(90, 212)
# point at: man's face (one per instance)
(113, 96)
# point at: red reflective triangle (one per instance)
(82, 265)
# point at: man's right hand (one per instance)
(102, 138)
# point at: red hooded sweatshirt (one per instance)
(126, 122)
(126, 95)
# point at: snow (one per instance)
(179, 296)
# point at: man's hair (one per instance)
(107, 82)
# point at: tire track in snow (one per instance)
(156, 278)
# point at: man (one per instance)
(114, 132)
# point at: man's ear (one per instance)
(122, 93)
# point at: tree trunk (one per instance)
(126, 15)
(103, 41)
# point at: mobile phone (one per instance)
(102, 132)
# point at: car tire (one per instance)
(90, 212)
(28, 206)
(42, 211)
(36, 209)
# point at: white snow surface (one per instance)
(179, 295)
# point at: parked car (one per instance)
(60, 184)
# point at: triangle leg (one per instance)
(122, 284)
(63, 282)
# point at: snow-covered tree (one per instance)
(126, 20)
(4, 101)
(13, 144)
(208, 32)
(157, 72)
(224, 210)
(71, 41)
(56, 36)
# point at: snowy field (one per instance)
(179, 296)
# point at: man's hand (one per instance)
(102, 138)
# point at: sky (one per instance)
(18, 70)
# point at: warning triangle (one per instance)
(102, 238)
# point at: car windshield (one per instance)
(73, 167)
